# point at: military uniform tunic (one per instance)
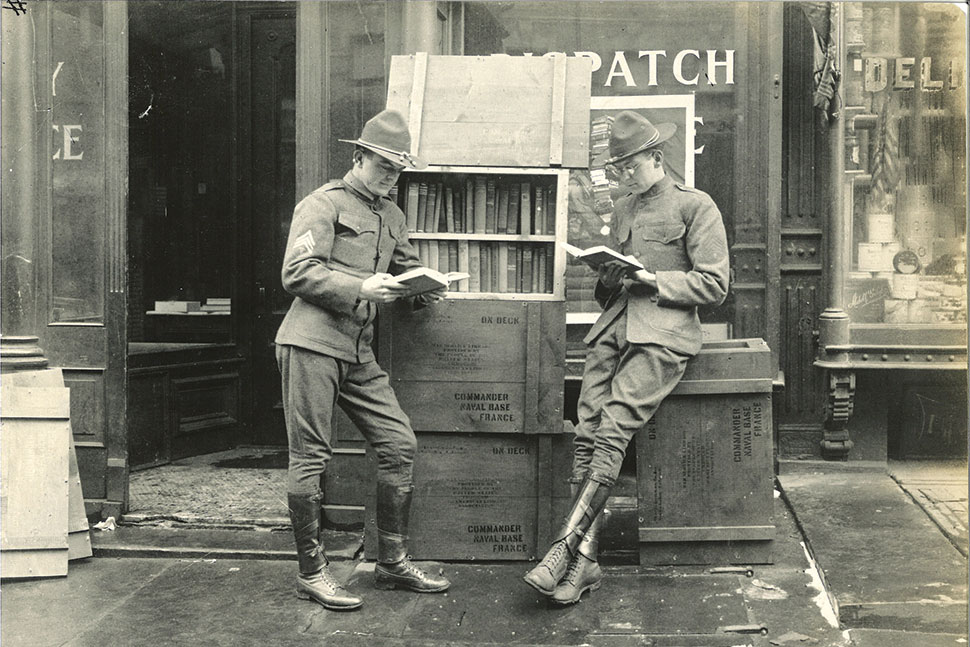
(340, 235)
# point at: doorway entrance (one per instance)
(211, 193)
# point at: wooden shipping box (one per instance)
(498, 110)
(34, 491)
(477, 365)
(705, 476)
(483, 496)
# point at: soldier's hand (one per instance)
(434, 296)
(381, 288)
(611, 274)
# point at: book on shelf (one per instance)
(596, 256)
(424, 279)
(411, 206)
(478, 210)
(539, 269)
(539, 222)
(468, 222)
(178, 306)
(485, 280)
(431, 215)
(432, 255)
(422, 206)
(525, 270)
(449, 209)
(502, 209)
(490, 206)
(474, 266)
(219, 301)
(513, 208)
(502, 267)
(550, 210)
(444, 256)
(494, 265)
(525, 208)
(463, 263)
(215, 307)
(511, 268)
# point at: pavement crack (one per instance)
(313, 616)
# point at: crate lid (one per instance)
(499, 110)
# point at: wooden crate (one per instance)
(34, 492)
(705, 478)
(494, 110)
(483, 496)
(477, 365)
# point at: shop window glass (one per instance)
(180, 163)
(77, 168)
(906, 159)
(356, 84)
(682, 63)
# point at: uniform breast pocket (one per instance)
(664, 231)
(355, 240)
(661, 244)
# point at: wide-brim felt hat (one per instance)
(386, 133)
(633, 133)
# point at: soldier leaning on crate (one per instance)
(344, 239)
(639, 346)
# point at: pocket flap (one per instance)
(356, 223)
(665, 232)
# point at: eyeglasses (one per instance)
(627, 169)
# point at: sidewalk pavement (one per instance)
(899, 583)
(894, 563)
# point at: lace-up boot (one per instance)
(584, 573)
(394, 566)
(587, 505)
(315, 581)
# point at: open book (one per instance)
(424, 279)
(596, 256)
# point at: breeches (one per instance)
(312, 385)
(623, 384)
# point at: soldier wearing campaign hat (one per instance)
(346, 242)
(640, 345)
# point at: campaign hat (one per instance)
(386, 134)
(633, 133)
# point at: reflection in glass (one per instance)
(906, 147)
(78, 194)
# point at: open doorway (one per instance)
(211, 175)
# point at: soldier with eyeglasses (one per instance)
(640, 345)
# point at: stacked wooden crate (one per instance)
(481, 374)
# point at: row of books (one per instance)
(479, 204)
(492, 266)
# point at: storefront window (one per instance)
(180, 212)
(906, 150)
(683, 63)
(355, 62)
(78, 162)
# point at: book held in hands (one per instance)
(596, 256)
(424, 279)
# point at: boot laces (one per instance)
(411, 567)
(327, 578)
(559, 553)
(573, 571)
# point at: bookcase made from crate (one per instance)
(500, 225)
(481, 374)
